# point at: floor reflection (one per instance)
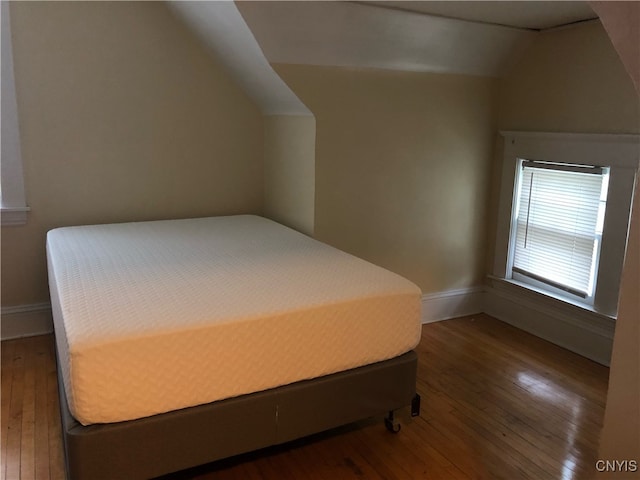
(548, 391)
(569, 467)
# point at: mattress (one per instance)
(156, 316)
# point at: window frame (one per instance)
(620, 153)
(548, 284)
(12, 197)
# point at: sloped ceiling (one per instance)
(221, 28)
(462, 37)
(533, 15)
(353, 34)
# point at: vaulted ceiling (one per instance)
(468, 37)
(534, 15)
(463, 37)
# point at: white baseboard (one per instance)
(584, 332)
(30, 320)
(451, 304)
(26, 321)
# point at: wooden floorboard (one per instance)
(498, 403)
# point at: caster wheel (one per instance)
(391, 424)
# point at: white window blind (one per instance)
(559, 219)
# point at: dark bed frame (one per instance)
(173, 441)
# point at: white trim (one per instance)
(26, 321)
(13, 193)
(585, 332)
(581, 148)
(631, 138)
(11, 216)
(451, 304)
(35, 319)
(619, 152)
(575, 328)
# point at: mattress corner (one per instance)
(54, 232)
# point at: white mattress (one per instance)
(156, 316)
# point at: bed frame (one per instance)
(173, 441)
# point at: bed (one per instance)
(183, 342)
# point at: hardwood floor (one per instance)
(31, 436)
(497, 403)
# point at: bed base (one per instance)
(177, 440)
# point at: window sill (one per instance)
(573, 326)
(550, 297)
(14, 216)
(573, 312)
(550, 291)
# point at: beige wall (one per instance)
(402, 163)
(569, 80)
(289, 170)
(620, 438)
(123, 116)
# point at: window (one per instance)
(12, 196)
(557, 232)
(563, 218)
